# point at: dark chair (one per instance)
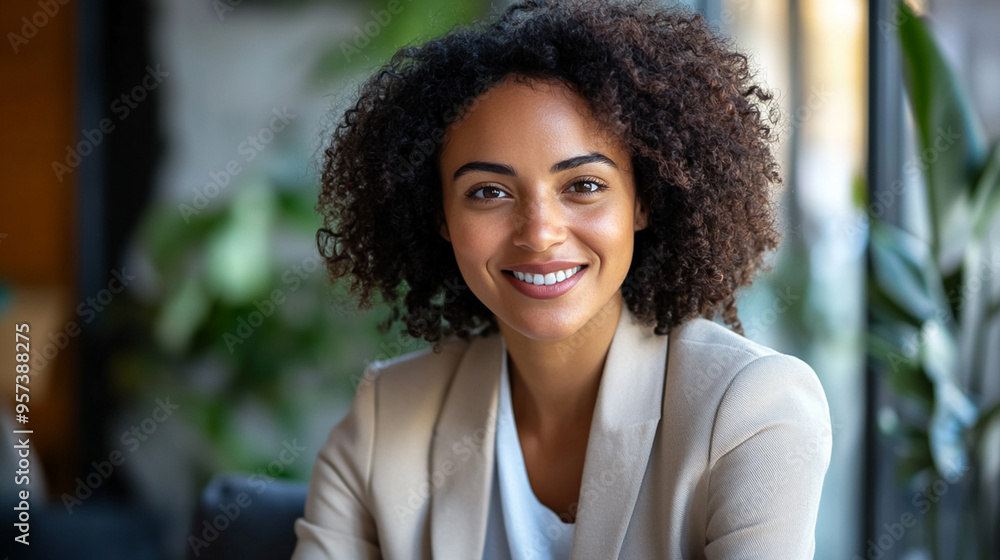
(240, 517)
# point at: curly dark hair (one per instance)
(681, 99)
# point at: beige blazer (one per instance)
(703, 444)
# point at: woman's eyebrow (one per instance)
(563, 165)
(486, 166)
(577, 161)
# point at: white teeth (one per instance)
(547, 279)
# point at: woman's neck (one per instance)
(554, 383)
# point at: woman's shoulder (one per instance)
(715, 337)
(718, 370)
(416, 371)
(758, 431)
(734, 393)
(716, 354)
(407, 392)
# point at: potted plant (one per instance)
(931, 308)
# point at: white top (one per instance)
(532, 530)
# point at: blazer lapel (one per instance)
(625, 420)
(462, 453)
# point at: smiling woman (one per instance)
(531, 186)
(596, 191)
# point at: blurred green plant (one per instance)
(388, 26)
(930, 301)
(240, 323)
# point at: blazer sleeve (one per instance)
(771, 445)
(337, 523)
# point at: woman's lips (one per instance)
(544, 291)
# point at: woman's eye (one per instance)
(487, 192)
(588, 187)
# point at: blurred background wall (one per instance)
(157, 235)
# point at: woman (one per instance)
(569, 195)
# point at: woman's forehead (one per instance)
(527, 117)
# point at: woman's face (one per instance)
(531, 184)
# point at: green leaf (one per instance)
(947, 442)
(913, 458)
(296, 209)
(954, 412)
(909, 381)
(168, 236)
(859, 191)
(893, 344)
(905, 273)
(988, 416)
(951, 141)
(883, 309)
(181, 314)
(986, 204)
(239, 258)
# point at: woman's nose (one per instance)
(539, 225)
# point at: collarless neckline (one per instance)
(508, 436)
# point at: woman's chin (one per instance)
(542, 326)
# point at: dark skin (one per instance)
(557, 189)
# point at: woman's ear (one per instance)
(641, 218)
(442, 225)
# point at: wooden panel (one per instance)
(37, 217)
